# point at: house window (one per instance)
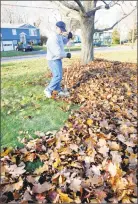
(14, 32)
(32, 32)
(14, 42)
(35, 41)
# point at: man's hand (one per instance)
(68, 55)
(70, 35)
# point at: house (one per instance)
(11, 35)
(104, 38)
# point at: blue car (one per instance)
(97, 44)
(24, 47)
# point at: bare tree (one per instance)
(86, 11)
(38, 22)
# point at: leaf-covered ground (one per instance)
(93, 158)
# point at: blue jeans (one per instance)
(56, 69)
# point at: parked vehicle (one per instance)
(24, 47)
(97, 44)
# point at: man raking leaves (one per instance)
(55, 54)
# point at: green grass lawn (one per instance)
(24, 106)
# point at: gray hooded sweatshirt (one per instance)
(55, 47)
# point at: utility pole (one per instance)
(133, 35)
(134, 23)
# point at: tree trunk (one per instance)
(87, 32)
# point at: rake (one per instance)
(66, 89)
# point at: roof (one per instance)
(19, 26)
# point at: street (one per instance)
(42, 54)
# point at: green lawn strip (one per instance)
(24, 106)
(14, 53)
(38, 48)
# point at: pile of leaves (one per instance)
(93, 158)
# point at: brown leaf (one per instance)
(43, 157)
(75, 184)
(16, 170)
(38, 188)
(27, 196)
(114, 145)
(95, 180)
(104, 150)
(15, 186)
(30, 157)
(116, 157)
(74, 147)
(42, 169)
(100, 195)
(112, 169)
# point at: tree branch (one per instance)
(70, 6)
(110, 28)
(90, 13)
(106, 6)
(80, 6)
(95, 2)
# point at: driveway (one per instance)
(42, 54)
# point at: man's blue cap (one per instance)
(61, 25)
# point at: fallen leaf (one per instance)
(64, 197)
(30, 157)
(89, 122)
(38, 188)
(114, 145)
(101, 142)
(27, 196)
(104, 150)
(112, 169)
(15, 170)
(116, 157)
(74, 147)
(41, 169)
(96, 170)
(6, 152)
(104, 124)
(75, 184)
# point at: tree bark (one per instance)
(87, 32)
